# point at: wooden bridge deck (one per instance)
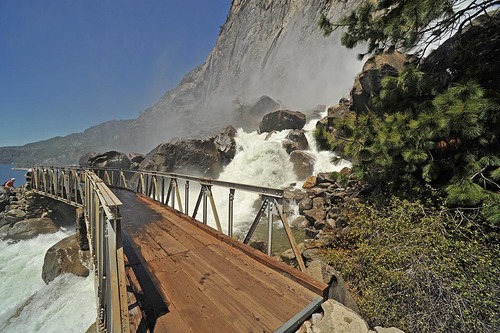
(194, 279)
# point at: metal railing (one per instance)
(83, 188)
(166, 188)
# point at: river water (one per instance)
(67, 304)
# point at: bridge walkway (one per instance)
(191, 278)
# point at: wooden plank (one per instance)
(166, 241)
(277, 284)
(190, 302)
(307, 281)
(215, 296)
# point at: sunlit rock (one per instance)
(368, 83)
(30, 228)
(64, 257)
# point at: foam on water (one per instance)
(67, 304)
(262, 161)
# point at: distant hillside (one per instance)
(66, 150)
(271, 47)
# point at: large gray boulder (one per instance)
(295, 140)
(200, 157)
(249, 114)
(4, 197)
(83, 161)
(31, 228)
(336, 286)
(110, 159)
(336, 318)
(64, 257)
(303, 163)
(282, 120)
(368, 83)
(225, 144)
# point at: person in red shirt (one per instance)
(10, 183)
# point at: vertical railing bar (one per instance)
(198, 201)
(178, 194)
(214, 208)
(173, 182)
(162, 189)
(269, 230)
(230, 222)
(256, 221)
(205, 215)
(186, 197)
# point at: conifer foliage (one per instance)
(387, 25)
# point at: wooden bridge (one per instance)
(157, 269)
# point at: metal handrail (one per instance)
(82, 188)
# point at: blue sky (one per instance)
(66, 65)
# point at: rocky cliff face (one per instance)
(266, 47)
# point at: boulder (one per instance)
(295, 140)
(4, 197)
(31, 228)
(338, 318)
(64, 257)
(303, 163)
(313, 215)
(310, 182)
(12, 216)
(250, 114)
(264, 105)
(136, 157)
(193, 156)
(110, 159)
(368, 83)
(282, 120)
(135, 160)
(305, 204)
(225, 144)
(336, 286)
(83, 161)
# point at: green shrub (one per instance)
(417, 268)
